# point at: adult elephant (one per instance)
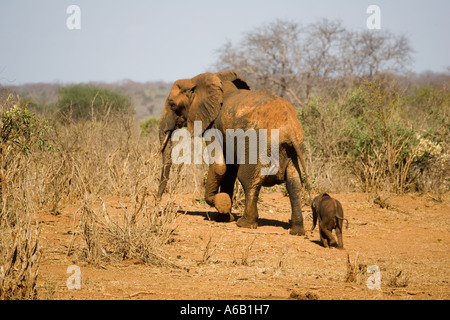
(223, 101)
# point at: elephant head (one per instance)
(189, 100)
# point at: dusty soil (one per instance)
(409, 241)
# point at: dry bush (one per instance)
(87, 227)
(246, 246)
(398, 278)
(103, 158)
(95, 160)
(20, 255)
(355, 271)
(432, 159)
(140, 231)
(143, 232)
(45, 166)
(299, 295)
(364, 139)
(110, 158)
(210, 249)
(238, 196)
(20, 252)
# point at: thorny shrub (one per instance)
(368, 138)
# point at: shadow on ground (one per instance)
(212, 216)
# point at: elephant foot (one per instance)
(222, 203)
(333, 244)
(297, 231)
(244, 223)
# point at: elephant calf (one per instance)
(331, 215)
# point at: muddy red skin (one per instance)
(223, 101)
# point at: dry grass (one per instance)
(210, 249)
(140, 232)
(397, 278)
(393, 276)
(356, 272)
(45, 166)
(20, 254)
(123, 166)
(20, 250)
(245, 253)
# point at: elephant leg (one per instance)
(228, 182)
(216, 173)
(250, 217)
(226, 193)
(339, 238)
(332, 240)
(327, 236)
(293, 185)
(339, 224)
(323, 238)
(218, 177)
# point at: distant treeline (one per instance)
(147, 98)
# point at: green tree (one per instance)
(381, 144)
(20, 129)
(149, 126)
(88, 102)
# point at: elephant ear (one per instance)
(206, 100)
(316, 201)
(234, 77)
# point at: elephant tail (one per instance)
(314, 214)
(339, 212)
(346, 221)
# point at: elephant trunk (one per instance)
(166, 149)
(166, 127)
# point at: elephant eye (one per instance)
(179, 111)
(172, 105)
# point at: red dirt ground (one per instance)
(408, 241)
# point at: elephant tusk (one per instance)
(163, 146)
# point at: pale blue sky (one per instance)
(167, 40)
